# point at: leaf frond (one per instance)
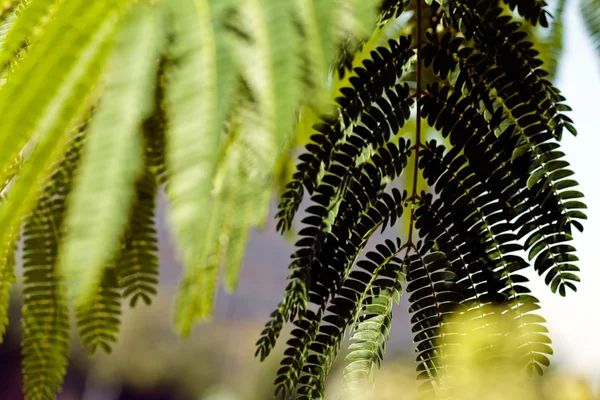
(433, 298)
(29, 17)
(137, 259)
(199, 74)
(590, 10)
(98, 320)
(45, 318)
(378, 73)
(531, 10)
(75, 69)
(373, 316)
(112, 161)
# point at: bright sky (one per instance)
(574, 321)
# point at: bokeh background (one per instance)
(216, 363)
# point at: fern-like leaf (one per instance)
(379, 72)
(532, 10)
(503, 42)
(45, 319)
(315, 20)
(155, 129)
(500, 187)
(590, 10)
(553, 44)
(538, 196)
(103, 193)
(137, 261)
(433, 298)
(98, 320)
(271, 67)
(7, 278)
(199, 78)
(61, 81)
(236, 224)
(21, 29)
(374, 318)
(7, 255)
(308, 361)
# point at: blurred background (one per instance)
(217, 363)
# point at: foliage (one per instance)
(486, 367)
(104, 103)
(590, 10)
(498, 188)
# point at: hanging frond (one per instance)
(7, 255)
(99, 319)
(137, 260)
(112, 161)
(271, 66)
(54, 98)
(199, 75)
(373, 319)
(590, 10)
(323, 341)
(532, 10)
(45, 318)
(199, 285)
(155, 129)
(361, 179)
(7, 278)
(500, 39)
(239, 189)
(30, 17)
(535, 189)
(498, 187)
(237, 222)
(315, 22)
(378, 73)
(552, 45)
(433, 298)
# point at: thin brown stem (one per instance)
(413, 195)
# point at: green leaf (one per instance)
(271, 67)
(45, 94)
(197, 106)
(23, 26)
(317, 20)
(137, 262)
(99, 320)
(104, 186)
(370, 337)
(238, 224)
(364, 13)
(7, 278)
(45, 317)
(553, 44)
(591, 17)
